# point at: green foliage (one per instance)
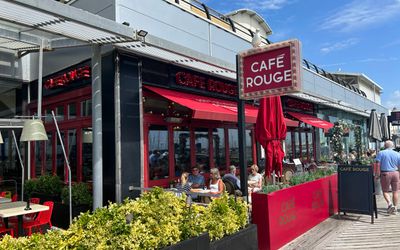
(155, 220)
(81, 194)
(29, 187)
(48, 184)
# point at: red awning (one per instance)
(312, 120)
(207, 108)
(291, 123)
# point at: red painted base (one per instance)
(284, 215)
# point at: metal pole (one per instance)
(22, 165)
(40, 80)
(68, 166)
(97, 128)
(242, 144)
(28, 167)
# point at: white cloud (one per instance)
(394, 100)
(364, 60)
(263, 4)
(339, 45)
(362, 14)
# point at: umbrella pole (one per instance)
(273, 178)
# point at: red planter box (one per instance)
(283, 215)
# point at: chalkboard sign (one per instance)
(356, 190)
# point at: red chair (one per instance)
(3, 229)
(14, 198)
(31, 217)
(42, 219)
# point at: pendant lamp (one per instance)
(33, 131)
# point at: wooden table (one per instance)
(11, 209)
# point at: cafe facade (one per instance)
(162, 115)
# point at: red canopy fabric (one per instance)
(270, 130)
(207, 108)
(312, 120)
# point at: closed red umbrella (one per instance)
(270, 130)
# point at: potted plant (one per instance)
(81, 202)
(283, 214)
(47, 188)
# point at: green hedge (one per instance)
(155, 220)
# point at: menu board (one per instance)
(356, 190)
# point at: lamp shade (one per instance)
(1, 139)
(87, 136)
(33, 131)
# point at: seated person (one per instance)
(231, 176)
(196, 180)
(183, 186)
(254, 180)
(216, 184)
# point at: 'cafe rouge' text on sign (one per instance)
(270, 70)
(68, 77)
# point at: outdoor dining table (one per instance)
(11, 209)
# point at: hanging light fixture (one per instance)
(87, 136)
(1, 139)
(33, 131)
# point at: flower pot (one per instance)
(243, 239)
(283, 215)
(60, 217)
(201, 242)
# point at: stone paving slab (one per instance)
(353, 231)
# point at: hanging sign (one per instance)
(68, 77)
(270, 70)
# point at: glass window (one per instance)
(49, 154)
(60, 113)
(202, 149)
(60, 158)
(182, 150)
(86, 108)
(71, 111)
(38, 158)
(233, 146)
(49, 116)
(219, 148)
(87, 141)
(249, 148)
(296, 138)
(158, 152)
(288, 147)
(310, 146)
(72, 153)
(303, 142)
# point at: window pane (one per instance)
(310, 146)
(86, 107)
(60, 158)
(303, 147)
(158, 152)
(202, 149)
(38, 157)
(182, 150)
(219, 148)
(49, 154)
(87, 141)
(288, 147)
(249, 148)
(72, 153)
(60, 113)
(296, 145)
(71, 111)
(233, 146)
(49, 116)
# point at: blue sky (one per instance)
(361, 36)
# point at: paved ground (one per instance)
(353, 231)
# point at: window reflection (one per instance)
(49, 154)
(60, 158)
(219, 148)
(60, 113)
(38, 158)
(158, 152)
(87, 141)
(86, 107)
(202, 150)
(249, 148)
(72, 153)
(182, 150)
(71, 111)
(233, 146)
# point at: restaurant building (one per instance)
(169, 102)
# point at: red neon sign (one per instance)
(68, 77)
(200, 82)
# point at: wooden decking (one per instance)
(353, 231)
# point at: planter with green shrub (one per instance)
(156, 220)
(45, 187)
